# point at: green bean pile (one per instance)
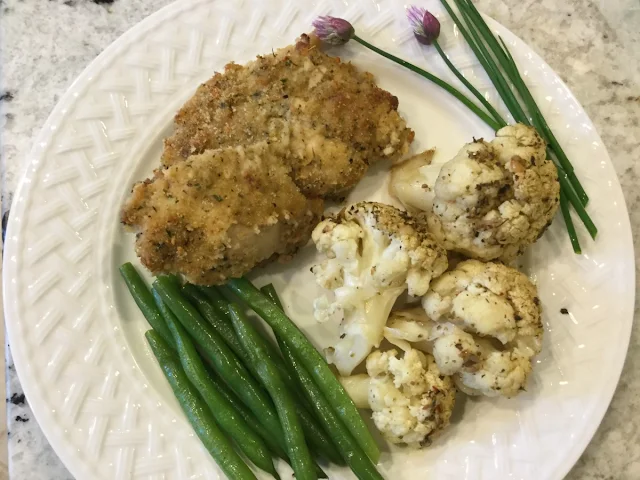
(244, 397)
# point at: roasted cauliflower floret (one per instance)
(410, 398)
(374, 253)
(498, 372)
(493, 199)
(487, 327)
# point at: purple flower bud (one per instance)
(333, 30)
(415, 15)
(431, 27)
(426, 27)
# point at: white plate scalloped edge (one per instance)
(77, 340)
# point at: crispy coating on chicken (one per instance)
(216, 215)
(255, 152)
(329, 120)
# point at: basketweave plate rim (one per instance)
(94, 392)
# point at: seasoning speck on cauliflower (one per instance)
(374, 253)
(491, 327)
(493, 199)
(410, 398)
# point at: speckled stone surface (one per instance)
(594, 45)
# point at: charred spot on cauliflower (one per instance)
(493, 199)
(490, 327)
(374, 253)
(411, 400)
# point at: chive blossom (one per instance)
(333, 30)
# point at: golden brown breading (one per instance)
(217, 215)
(329, 119)
(254, 153)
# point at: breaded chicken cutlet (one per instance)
(329, 118)
(255, 152)
(216, 215)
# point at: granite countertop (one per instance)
(593, 44)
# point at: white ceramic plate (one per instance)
(77, 338)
